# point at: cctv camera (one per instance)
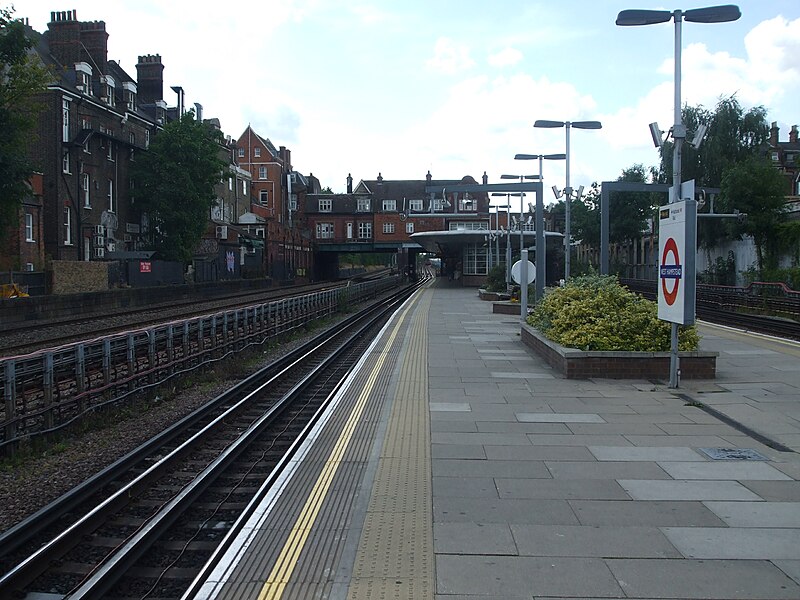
(555, 192)
(657, 135)
(698, 136)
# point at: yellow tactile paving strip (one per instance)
(395, 556)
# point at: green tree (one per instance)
(174, 185)
(22, 77)
(756, 188)
(734, 135)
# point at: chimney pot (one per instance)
(793, 134)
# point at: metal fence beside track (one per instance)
(50, 389)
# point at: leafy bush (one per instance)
(596, 313)
(496, 280)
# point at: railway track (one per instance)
(30, 336)
(712, 310)
(145, 526)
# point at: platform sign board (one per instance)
(677, 246)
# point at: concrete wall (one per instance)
(77, 277)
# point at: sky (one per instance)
(450, 86)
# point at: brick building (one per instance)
(785, 156)
(23, 247)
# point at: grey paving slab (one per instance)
(790, 567)
(464, 487)
(615, 429)
(502, 510)
(733, 470)
(757, 514)
(638, 453)
(485, 439)
(516, 576)
(544, 417)
(505, 427)
(490, 468)
(578, 440)
(474, 538)
(681, 429)
(522, 375)
(550, 453)
(656, 513)
(450, 426)
(643, 489)
(450, 407)
(606, 470)
(599, 542)
(469, 451)
(690, 441)
(568, 489)
(775, 491)
(708, 579)
(648, 419)
(735, 542)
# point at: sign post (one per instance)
(677, 247)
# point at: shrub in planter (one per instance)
(595, 312)
(496, 280)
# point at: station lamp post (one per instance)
(508, 232)
(522, 179)
(710, 14)
(567, 189)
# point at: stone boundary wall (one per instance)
(78, 276)
(577, 364)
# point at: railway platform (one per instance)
(456, 465)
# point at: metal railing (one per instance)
(47, 390)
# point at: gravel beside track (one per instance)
(29, 485)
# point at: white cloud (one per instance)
(449, 57)
(506, 57)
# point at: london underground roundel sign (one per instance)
(670, 270)
(677, 238)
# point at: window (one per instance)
(363, 205)
(240, 152)
(87, 147)
(409, 228)
(256, 152)
(260, 232)
(776, 157)
(29, 227)
(475, 259)
(292, 201)
(263, 197)
(388, 228)
(365, 231)
(468, 225)
(438, 203)
(325, 205)
(466, 204)
(65, 120)
(324, 231)
(244, 188)
(390, 205)
(67, 226)
(65, 161)
(262, 172)
(415, 205)
(29, 267)
(132, 138)
(230, 183)
(85, 181)
(111, 196)
(110, 150)
(147, 138)
(349, 231)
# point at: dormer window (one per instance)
(129, 93)
(107, 84)
(161, 111)
(83, 77)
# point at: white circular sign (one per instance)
(516, 271)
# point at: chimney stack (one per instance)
(774, 132)
(64, 37)
(793, 135)
(428, 176)
(485, 178)
(150, 79)
(380, 178)
(349, 183)
(94, 39)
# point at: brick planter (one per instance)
(491, 296)
(577, 364)
(505, 308)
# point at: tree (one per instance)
(174, 185)
(326, 190)
(756, 188)
(22, 77)
(734, 135)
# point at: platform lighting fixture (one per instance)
(521, 178)
(710, 14)
(545, 124)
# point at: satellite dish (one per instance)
(516, 272)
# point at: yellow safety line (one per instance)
(288, 558)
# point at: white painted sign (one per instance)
(516, 272)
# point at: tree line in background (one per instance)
(733, 158)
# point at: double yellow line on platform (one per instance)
(278, 579)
